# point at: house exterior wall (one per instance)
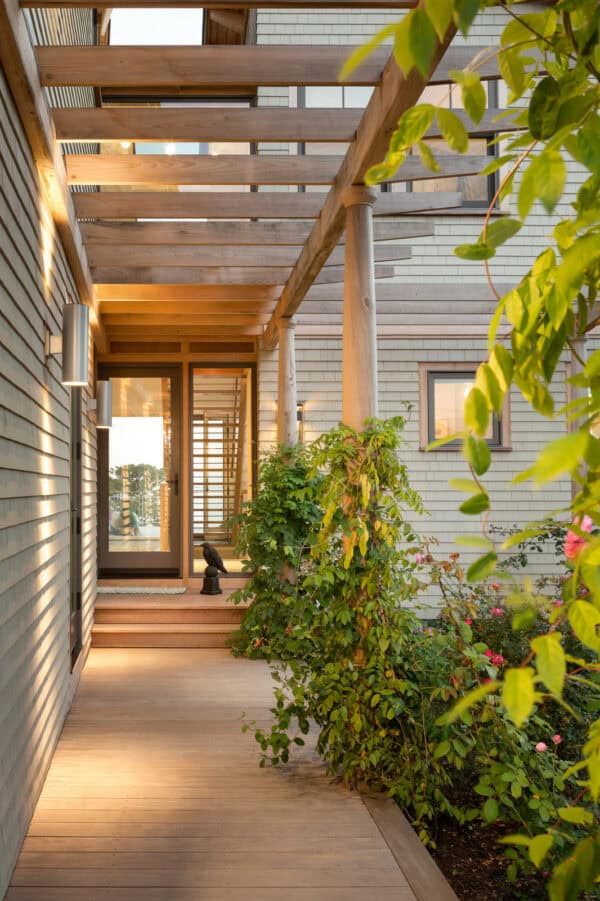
(433, 261)
(36, 682)
(319, 366)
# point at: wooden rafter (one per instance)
(232, 234)
(185, 256)
(225, 4)
(242, 205)
(228, 66)
(120, 123)
(213, 293)
(19, 65)
(157, 169)
(224, 275)
(389, 101)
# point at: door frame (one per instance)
(75, 536)
(188, 526)
(107, 370)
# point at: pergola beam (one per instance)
(19, 65)
(232, 234)
(155, 169)
(162, 293)
(268, 256)
(229, 66)
(225, 275)
(221, 4)
(243, 204)
(389, 101)
(142, 124)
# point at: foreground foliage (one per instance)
(550, 60)
(380, 686)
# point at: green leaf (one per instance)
(441, 750)
(487, 383)
(423, 41)
(477, 453)
(482, 567)
(453, 131)
(477, 251)
(474, 97)
(539, 847)
(465, 11)
(501, 231)
(577, 815)
(412, 125)
(490, 810)
(479, 503)
(402, 44)
(440, 15)
(361, 53)
(550, 661)
(544, 108)
(512, 71)
(543, 179)
(518, 694)
(468, 701)
(477, 414)
(427, 157)
(558, 457)
(584, 620)
(501, 363)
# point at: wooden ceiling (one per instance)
(224, 279)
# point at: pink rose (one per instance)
(558, 603)
(498, 660)
(420, 558)
(557, 739)
(497, 611)
(469, 621)
(495, 586)
(575, 543)
(488, 653)
(541, 747)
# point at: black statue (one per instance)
(212, 556)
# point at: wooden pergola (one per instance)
(222, 280)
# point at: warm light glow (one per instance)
(125, 144)
(46, 248)
(170, 149)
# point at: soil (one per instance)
(475, 866)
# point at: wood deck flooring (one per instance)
(154, 794)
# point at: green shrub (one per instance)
(274, 536)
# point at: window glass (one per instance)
(474, 188)
(447, 394)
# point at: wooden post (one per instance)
(359, 397)
(287, 426)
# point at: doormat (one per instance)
(125, 589)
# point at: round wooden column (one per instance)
(287, 425)
(359, 397)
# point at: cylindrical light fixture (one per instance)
(103, 405)
(75, 344)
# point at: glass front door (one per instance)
(139, 474)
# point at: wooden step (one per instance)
(122, 612)
(163, 635)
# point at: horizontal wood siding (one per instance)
(319, 368)
(36, 683)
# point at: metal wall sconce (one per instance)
(103, 405)
(300, 420)
(73, 344)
